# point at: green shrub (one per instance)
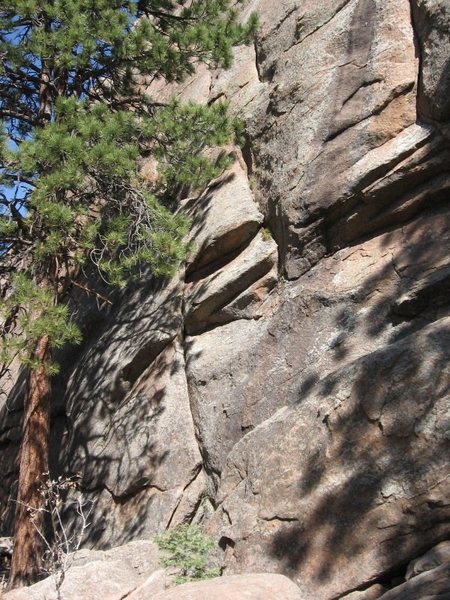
(266, 234)
(188, 551)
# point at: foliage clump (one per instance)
(188, 551)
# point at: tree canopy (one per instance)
(76, 119)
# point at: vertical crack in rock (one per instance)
(247, 154)
(417, 45)
(184, 345)
(257, 63)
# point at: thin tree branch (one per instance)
(92, 292)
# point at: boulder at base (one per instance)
(263, 586)
(97, 575)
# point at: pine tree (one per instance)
(75, 123)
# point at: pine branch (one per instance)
(91, 292)
(8, 113)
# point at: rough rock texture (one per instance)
(435, 557)
(372, 593)
(432, 585)
(342, 84)
(224, 218)
(154, 584)
(216, 298)
(132, 396)
(252, 587)
(290, 388)
(431, 19)
(370, 449)
(94, 575)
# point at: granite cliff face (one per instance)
(291, 387)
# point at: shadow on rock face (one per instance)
(348, 483)
(380, 460)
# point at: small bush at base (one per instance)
(188, 551)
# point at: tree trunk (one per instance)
(26, 565)
(45, 97)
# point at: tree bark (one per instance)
(45, 97)
(27, 559)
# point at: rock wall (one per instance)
(291, 387)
